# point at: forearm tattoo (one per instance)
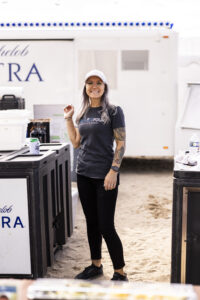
(119, 153)
(120, 135)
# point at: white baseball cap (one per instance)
(97, 73)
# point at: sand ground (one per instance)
(143, 222)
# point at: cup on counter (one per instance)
(34, 146)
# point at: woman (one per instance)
(99, 123)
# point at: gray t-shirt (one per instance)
(96, 150)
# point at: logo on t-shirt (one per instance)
(91, 121)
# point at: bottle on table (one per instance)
(194, 143)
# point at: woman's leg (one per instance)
(106, 201)
(87, 194)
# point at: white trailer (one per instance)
(188, 121)
(49, 61)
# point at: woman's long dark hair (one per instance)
(105, 117)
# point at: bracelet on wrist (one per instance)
(115, 169)
(68, 118)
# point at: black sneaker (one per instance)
(90, 272)
(119, 277)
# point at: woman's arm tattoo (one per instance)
(119, 153)
(120, 135)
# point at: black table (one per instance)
(185, 263)
(35, 209)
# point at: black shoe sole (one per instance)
(90, 278)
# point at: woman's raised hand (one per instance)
(68, 111)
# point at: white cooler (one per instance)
(13, 127)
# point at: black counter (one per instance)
(35, 209)
(185, 263)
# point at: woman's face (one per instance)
(94, 87)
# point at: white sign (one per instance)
(43, 68)
(14, 227)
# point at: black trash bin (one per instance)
(27, 184)
(62, 210)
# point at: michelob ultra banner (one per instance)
(14, 227)
(43, 68)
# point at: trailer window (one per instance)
(135, 59)
(105, 61)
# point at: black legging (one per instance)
(99, 209)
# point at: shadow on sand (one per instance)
(146, 164)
